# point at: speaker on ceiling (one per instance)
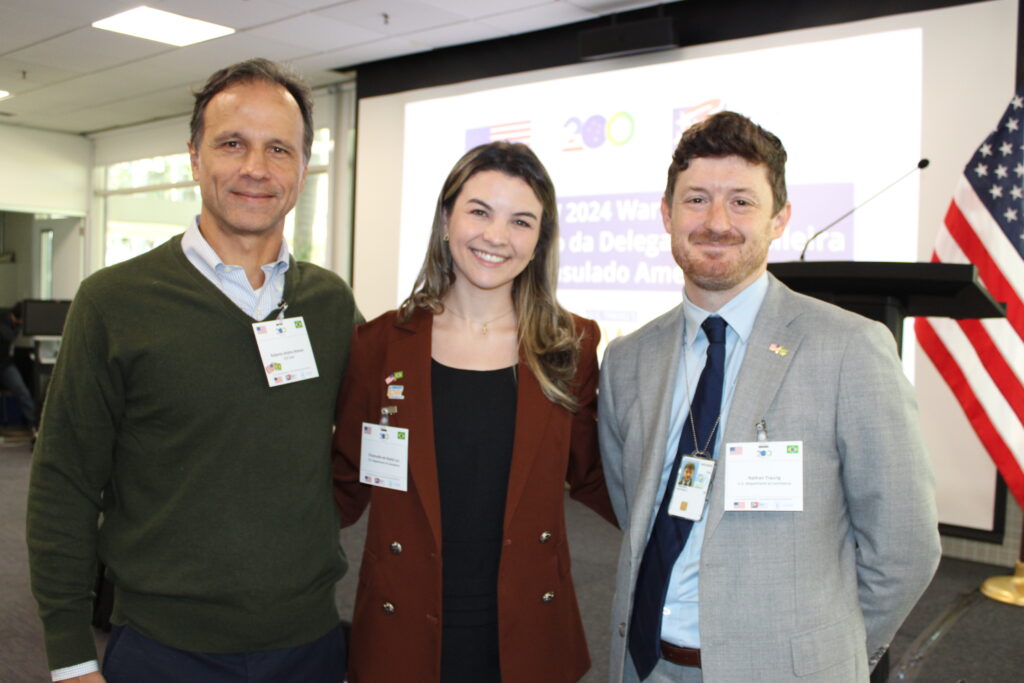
(629, 38)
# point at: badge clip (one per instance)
(762, 430)
(385, 412)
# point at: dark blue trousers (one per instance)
(131, 657)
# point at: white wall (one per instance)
(43, 172)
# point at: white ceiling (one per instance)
(65, 75)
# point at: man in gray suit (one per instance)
(818, 531)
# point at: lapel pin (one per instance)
(398, 374)
(778, 349)
(395, 392)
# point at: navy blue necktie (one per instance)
(670, 533)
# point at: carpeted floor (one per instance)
(983, 646)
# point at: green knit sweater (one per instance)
(218, 525)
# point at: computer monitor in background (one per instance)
(43, 317)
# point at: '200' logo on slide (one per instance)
(596, 130)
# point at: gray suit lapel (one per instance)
(657, 364)
(758, 381)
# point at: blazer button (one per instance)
(545, 536)
(547, 597)
(396, 547)
(388, 608)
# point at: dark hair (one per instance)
(730, 134)
(547, 335)
(256, 69)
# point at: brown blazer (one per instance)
(396, 626)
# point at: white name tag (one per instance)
(764, 476)
(384, 457)
(285, 351)
(691, 487)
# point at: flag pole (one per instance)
(1008, 589)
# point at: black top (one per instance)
(474, 427)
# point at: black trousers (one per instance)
(131, 657)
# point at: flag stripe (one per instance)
(985, 391)
(1008, 343)
(1005, 380)
(988, 434)
(991, 274)
(1003, 255)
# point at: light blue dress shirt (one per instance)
(680, 622)
(232, 280)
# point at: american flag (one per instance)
(982, 361)
(514, 131)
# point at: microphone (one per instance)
(920, 165)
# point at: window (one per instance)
(46, 264)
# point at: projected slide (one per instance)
(848, 111)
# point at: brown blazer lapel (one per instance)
(533, 412)
(410, 353)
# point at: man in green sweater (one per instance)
(185, 441)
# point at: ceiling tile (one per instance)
(199, 61)
(150, 108)
(536, 18)
(238, 14)
(77, 122)
(456, 34)
(358, 54)
(309, 5)
(76, 13)
(83, 91)
(89, 49)
(612, 6)
(395, 17)
(316, 33)
(18, 29)
(474, 9)
(17, 76)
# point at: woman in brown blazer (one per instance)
(465, 575)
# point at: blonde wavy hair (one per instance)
(548, 339)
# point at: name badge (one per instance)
(285, 350)
(764, 476)
(691, 487)
(384, 457)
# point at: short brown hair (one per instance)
(728, 134)
(256, 69)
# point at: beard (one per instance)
(719, 272)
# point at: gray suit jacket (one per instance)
(784, 596)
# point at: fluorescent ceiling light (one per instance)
(163, 27)
(3, 94)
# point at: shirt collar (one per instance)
(740, 313)
(193, 242)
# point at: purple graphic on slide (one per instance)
(618, 241)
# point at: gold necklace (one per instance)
(484, 324)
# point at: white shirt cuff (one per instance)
(76, 670)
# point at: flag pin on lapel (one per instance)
(778, 349)
(398, 374)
